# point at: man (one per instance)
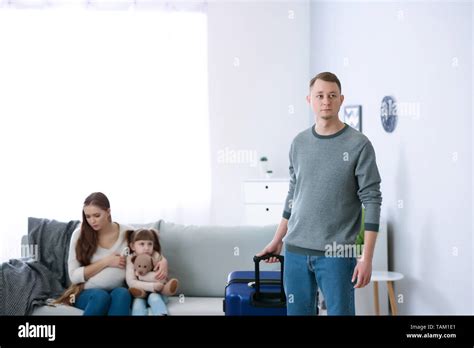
(333, 172)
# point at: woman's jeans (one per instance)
(103, 302)
(303, 275)
(156, 302)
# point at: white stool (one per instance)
(389, 277)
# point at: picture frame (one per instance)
(353, 116)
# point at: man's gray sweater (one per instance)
(330, 178)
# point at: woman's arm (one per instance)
(162, 269)
(75, 270)
(80, 274)
(112, 260)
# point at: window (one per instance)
(102, 100)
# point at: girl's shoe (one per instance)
(138, 293)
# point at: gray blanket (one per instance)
(53, 238)
(23, 285)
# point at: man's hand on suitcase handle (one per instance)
(265, 257)
(274, 247)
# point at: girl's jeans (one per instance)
(156, 303)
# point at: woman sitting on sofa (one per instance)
(96, 263)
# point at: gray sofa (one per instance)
(201, 257)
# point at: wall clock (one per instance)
(388, 114)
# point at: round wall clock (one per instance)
(388, 114)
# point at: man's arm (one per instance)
(275, 246)
(363, 269)
(369, 245)
(368, 179)
(281, 230)
(289, 197)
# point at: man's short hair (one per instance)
(326, 76)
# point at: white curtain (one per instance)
(102, 100)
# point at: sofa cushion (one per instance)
(57, 310)
(201, 257)
(195, 306)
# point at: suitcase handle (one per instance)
(267, 256)
(256, 259)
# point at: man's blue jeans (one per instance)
(102, 302)
(304, 274)
(157, 304)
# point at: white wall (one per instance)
(258, 77)
(421, 53)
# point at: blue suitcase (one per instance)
(255, 292)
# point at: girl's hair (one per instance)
(88, 239)
(144, 234)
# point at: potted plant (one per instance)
(360, 237)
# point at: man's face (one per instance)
(325, 100)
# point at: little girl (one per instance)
(145, 241)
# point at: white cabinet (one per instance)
(264, 200)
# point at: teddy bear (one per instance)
(143, 266)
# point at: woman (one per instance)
(96, 262)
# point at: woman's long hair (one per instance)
(86, 245)
(88, 240)
(70, 295)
